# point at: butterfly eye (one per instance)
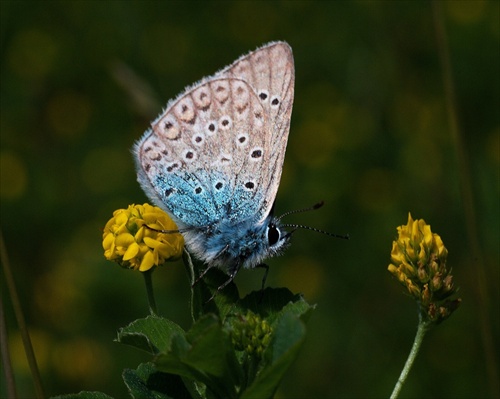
(273, 234)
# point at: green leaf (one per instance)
(286, 313)
(204, 354)
(272, 303)
(152, 334)
(300, 309)
(146, 382)
(266, 303)
(84, 395)
(212, 350)
(288, 337)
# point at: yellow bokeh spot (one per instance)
(41, 346)
(466, 12)
(158, 52)
(80, 359)
(317, 152)
(13, 176)
(492, 147)
(377, 190)
(68, 114)
(32, 54)
(303, 275)
(266, 17)
(422, 157)
(106, 170)
(59, 297)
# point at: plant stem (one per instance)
(250, 365)
(149, 289)
(470, 208)
(195, 299)
(18, 312)
(423, 326)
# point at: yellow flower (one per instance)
(133, 239)
(418, 261)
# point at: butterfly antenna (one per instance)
(311, 208)
(299, 226)
(165, 231)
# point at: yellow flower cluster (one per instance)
(418, 259)
(133, 238)
(251, 334)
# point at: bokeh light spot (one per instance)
(13, 176)
(466, 12)
(68, 114)
(42, 345)
(315, 152)
(492, 147)
(422, 159)
(158, 52)
(59, 298)
(32, 54)
(80, 359)
(377, 190)
(303, 275)
(105, 170)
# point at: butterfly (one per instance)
(213, 160)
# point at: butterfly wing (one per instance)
(217, 151)
(270, 72)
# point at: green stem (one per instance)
(423, 326)
(18, 312)
(149, 289)
(195, 299)
(250, 365)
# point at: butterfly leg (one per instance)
(202, 274)
(264, 278)
(226, 283)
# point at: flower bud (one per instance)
(418, 261)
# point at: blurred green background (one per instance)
(370, 135)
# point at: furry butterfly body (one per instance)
(213, 159)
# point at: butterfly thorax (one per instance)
(230, 245)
